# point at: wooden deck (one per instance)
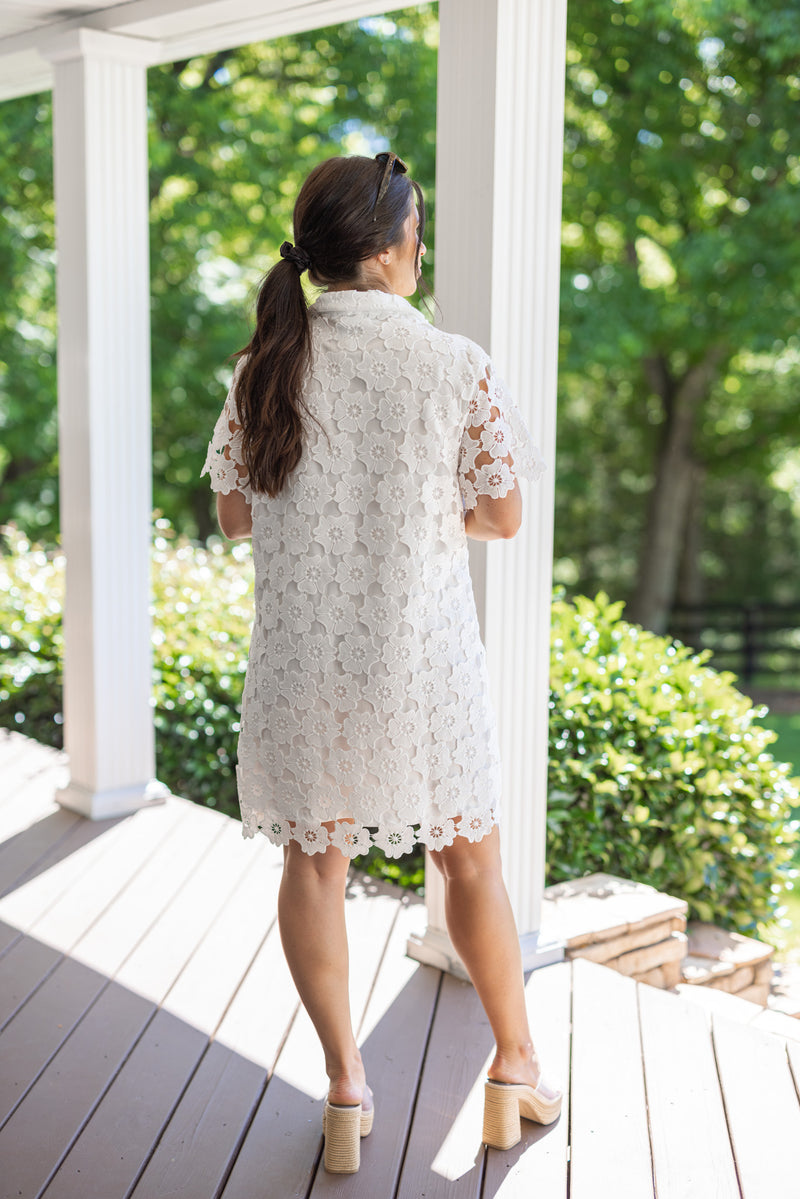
(152, 1045)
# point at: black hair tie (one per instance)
(296, 255)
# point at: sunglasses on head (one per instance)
(391, 161)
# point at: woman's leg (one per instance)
(483, 931)
(314, 938)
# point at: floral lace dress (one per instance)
(365, 699)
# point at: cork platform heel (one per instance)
(505, 1103)
(343, 1126)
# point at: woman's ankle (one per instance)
(347, 1081)
(515, 1063)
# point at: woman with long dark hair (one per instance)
(360, 447)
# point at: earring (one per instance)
(385, 259)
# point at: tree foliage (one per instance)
(680, 302)
(232, 136)
(28, 419)
(678, 403)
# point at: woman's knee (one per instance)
(464, 858)
(330, 866)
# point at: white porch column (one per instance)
(498, 217)
(101, 194)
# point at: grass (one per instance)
(787, 749)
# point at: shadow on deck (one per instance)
(152, 1044)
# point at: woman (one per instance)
(359, 447)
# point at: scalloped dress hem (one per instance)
(354, 839)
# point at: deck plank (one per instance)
(445, 1155)
(66, 923)
(115, 936)
(13, 745)
(31, 963)
(45, 1123)
(33, 799)
(692, 1153)
(135, 909)
(8, 937)
(73, 986)
(793, 1054)
(58, 905)
(538, 1165)
(778, 1023)
(152, 1044)
(161, 1065)
(39, 1029)
(34, 891)
(23, 761)
(23, 851)
(155, 963)
(200, 1142)
(116, 1142)
(281, 1148)
(761, 1105)
(212, 976)
(610, 1150)
(82, 1068)
(393, 1038)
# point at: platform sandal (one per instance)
(504, 1104)
(343, 1126)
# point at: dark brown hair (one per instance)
(337, 225)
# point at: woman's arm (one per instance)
(491, 519)
(234, 515)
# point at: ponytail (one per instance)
(346, 212)
(268, 391)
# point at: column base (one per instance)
(434, 948)
(540, 949)
(116, 801)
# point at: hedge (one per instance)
(658, 768)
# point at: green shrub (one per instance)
(201, 612)
(31, 644)
(658, 770)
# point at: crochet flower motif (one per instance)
(336, 690)
(278, 831)
(395, 841)
(350, 839)
(379, 452)
(438, 834)
(313, 838)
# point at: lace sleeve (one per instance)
(224, 463)
(496, 447)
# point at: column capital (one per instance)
(96, 43)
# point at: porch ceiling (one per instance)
(173, 28)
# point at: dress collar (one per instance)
(371, 301)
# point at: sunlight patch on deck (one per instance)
(457, 1155)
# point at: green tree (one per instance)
(232, 136)
(28, 416)
(680, 265)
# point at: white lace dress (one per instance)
(365, 699)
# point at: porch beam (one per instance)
(498, 217)
(103, 296)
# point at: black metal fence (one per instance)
(760, 643)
